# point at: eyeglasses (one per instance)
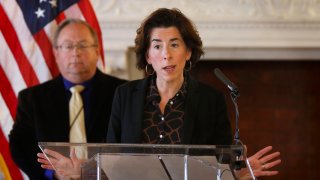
(70, 47)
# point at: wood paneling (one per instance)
(279, 105)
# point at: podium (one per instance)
(152, 161)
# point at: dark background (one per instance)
(279, 105)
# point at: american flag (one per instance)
(26, 57)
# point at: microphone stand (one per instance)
(239, 163)
(234, 93)
(234, 96)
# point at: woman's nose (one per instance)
(166, 54)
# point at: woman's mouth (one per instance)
(169, 68)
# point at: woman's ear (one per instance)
(147, 58)
(189, 53)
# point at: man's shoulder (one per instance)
(106, 78)
(43, 87)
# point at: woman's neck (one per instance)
(169, 88)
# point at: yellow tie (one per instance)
(77, 132)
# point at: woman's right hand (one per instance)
(63, 166)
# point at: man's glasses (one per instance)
(70, 47)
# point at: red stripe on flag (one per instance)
(60, 18)
(7, 93)
(12, 40)
(46, 48)
(13, 169)
(90, 16)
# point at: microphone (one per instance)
(234, 95)
(233, 88)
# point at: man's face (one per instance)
(77, 53)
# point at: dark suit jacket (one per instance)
(43, 115)
(206, 120)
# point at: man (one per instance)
(43, 110)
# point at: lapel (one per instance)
(97, 98)
(191, 109)
(136, 115)
(60, 106)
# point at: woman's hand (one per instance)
(63, 166)
(260, 164)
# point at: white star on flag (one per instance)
(40, 12)
(53, 3)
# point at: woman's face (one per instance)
(167, 53)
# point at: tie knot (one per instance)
(77, 88)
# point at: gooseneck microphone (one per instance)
(234, 95)
(234, 92)
(225, 80)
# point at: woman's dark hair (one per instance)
(167, 18)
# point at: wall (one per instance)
(237, 25)
(279, 105)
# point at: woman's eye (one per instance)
(175, 45)
(157, 47)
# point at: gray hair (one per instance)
(67, 22)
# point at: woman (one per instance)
(169, 106)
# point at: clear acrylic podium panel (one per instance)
(150, 161)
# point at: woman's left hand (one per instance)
(260, 163)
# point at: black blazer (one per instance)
(43, 115)
(206, 120)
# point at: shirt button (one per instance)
(171, 102)
(177, 94)
(162, 118)
(161, 136)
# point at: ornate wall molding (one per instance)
(231, 24)
(208, 10)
